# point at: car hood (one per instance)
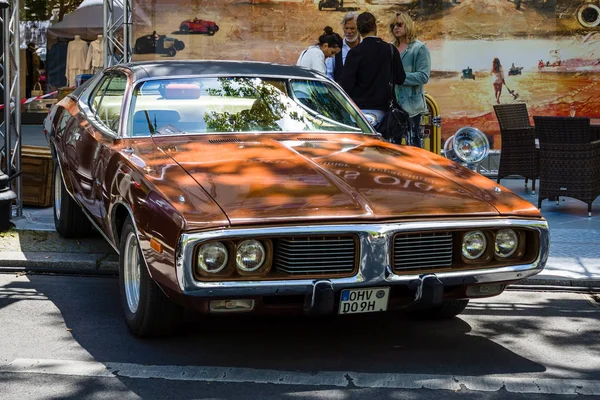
(263, 178)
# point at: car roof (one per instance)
(174, 68)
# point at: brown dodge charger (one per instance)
(235, 187)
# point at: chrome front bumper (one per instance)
(375, 269)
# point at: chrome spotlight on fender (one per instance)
(468, 146)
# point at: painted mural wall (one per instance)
(554, 45)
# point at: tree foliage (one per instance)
(41, 10)
(268, 108)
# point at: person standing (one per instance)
(498, 76)
(416, 61)
(368, 70)
(33, 65)
(330, 43)
(335, 64)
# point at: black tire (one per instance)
(320, 6)
(184, 29)
(216, 28)
(211, 32)
(448, 309)
(155, 314)
(171, 51)
(179, 45)
(69, 219)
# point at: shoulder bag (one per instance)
(395, 125)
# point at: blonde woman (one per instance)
(416, 61)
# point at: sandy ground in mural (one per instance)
(545, 93)
(278, 32)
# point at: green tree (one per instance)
(267, 109)
(41, 10)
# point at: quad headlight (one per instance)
(507, 242)
(474, 245)
(213, 257)
(250, 255)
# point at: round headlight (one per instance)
(372, 118)
(507, 242)
(250, 255)
(474, 244)
(212, 257)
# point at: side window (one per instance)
(63, 120)
(107, 100)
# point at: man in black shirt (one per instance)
(368, 69)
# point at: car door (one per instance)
(106, 106)
(91, 129)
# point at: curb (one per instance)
(108, 264)
(72, 263)
(578, 283)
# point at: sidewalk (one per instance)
(574, 258)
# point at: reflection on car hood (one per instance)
(273, 177)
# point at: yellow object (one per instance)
(434, 142)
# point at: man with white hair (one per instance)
(335, 64)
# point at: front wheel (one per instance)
(179, 45)
(69, 219)
(148, 311)
(184, 29)
(171, 51)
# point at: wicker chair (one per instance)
(519, 155)
(569, 159)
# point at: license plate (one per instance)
(354, 301)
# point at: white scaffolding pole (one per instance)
(11, 126)
(117, 47)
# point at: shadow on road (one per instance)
(366, 343)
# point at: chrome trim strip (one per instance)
(375, 241)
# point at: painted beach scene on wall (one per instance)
(549, 49)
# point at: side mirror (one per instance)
(371, 118)
(468, 146)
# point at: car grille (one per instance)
(422, 251)
(315, 255)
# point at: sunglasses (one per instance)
(397, 25)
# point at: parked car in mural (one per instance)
(158, 44)
(260, 188)
(515, 70)
(196, 25)
(335, 5)
(467, 73)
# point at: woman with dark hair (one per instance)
(330, 43)
(417, 65)
(498, 75)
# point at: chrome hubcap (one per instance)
(57, 193)
(131, 272)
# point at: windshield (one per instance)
(234, 104)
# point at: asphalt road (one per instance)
(64, 337)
